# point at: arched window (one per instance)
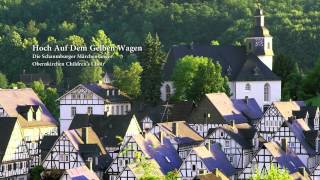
(266, 92)
(168, 92)
(247, 87)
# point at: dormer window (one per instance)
(30, 115)
(38, 113)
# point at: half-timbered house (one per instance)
(14, 155)
(79, 173)
(202, 160)
(216, 109)
(215, 175)
(95, 98)
(181, 136)
(274, 117)
(76, 147)
(113, 130)
(34, 118)
(272, 153)
(300, 139)
(310, 114)
(148, 146)
(238, 141)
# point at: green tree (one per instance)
(283, 67)
(101, 39)
(151, 60)
(50, 101)
(208, 79)
(36, 172)
(58, 75)
(184, 73)
(292, 88)
(3, 81)
(18, 85)
(272, 174)
(195, 76)
(128, 80)
(91, 74)
(39, 88)
(172, 175)
(47, 95)
(311, 84)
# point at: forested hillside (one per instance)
(295, 25)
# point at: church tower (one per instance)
(260, 42)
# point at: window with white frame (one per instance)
(247, 87)
(90, 110)
(63, 157)
(227, 143)
(266, 92)
(73, 111)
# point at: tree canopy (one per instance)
(193, 77)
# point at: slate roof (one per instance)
(101, 90)
(76, 137)
(299, 127)
(310, 110)
(287, 108)
(175, 111)
(11, 99)
(241, 133)
(286, 159)
(82, 172)
(235, 62)
(183, 133)
(106, 127)
(249, 108)
(6, 128)
(214, 158)
(164, 154)
(311, 136)
(46, 145)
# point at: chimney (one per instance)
(216, 172)
(232, 124)
(174, 128)
(284, 144)
(85, 134)
(246, 99)
(89, 164)
(302, 171)
(208, 146)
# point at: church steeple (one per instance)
(260, 42)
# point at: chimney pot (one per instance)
(246, 99)
(284, 144)
(85, 134)
(174, 128)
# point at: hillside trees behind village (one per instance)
(23, 23)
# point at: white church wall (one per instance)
(257, 91)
